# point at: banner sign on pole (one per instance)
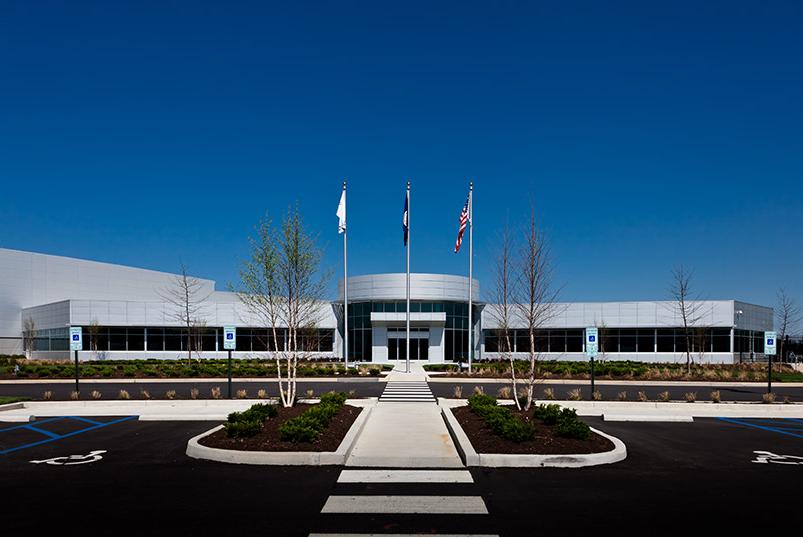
(592, 342)
(76, 338)
(770, 343)
(229, 338)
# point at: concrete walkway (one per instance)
(405, 435)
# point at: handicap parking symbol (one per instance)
(92, 456)
(767, 457)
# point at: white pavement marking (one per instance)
(405, 476)
(399, 535)
(407, 391)
(433, 505)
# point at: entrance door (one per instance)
(397, 344)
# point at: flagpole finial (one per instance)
(344, 184)
(471, 184)
(408, 184)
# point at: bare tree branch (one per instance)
(788, 316)
(186, 295)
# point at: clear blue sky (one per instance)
(645, 135)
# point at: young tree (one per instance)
(536, 299)
(788, 316)
(94, 334)
(282, 286)
(686, 306)
(28, 336)
(186, 296)
(502, 307)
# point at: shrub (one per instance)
(690, 397)
(94, 394)
(478, 400)
(144, 394)
(258, 412)
(504, 392)
(622, 396)
(215, 392)
(574, 395)
(642, 396)
(597, 395)
(298, 430)
(549, 394)
(548, 414)
(664, 396)
(170, 394)
(715, 396)
(573, 428)
(458, 392)
(479, 390)
(242, 428)
(194, 393)
(768, 398)
(262, 393)
(374, 371)
(124, 395)
(309, 394)
(241, 394)
(74, 395)
(337, 398)
(48, 395)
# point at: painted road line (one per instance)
(400, 535)
(68, 435)
(405, 476)
(761, 427)
(432, 505)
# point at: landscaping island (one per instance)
(489, 434)
(274, 434)
(305, 434)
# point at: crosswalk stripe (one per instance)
(432, 505)
(399, 535)
(405, 476)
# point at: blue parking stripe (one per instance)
(762, 427)
(42, 431)
(61, 437)
(86, 420)
(38, 422)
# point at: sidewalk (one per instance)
(405, 435)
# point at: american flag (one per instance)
(464, 216)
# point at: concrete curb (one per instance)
(281, 458)
(497, 460)
(648, 418)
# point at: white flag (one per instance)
(341, 213)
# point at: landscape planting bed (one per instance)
(268, 438)
(546, 441)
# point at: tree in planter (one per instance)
(685, 306)
(788, 315)
(94, 334)
(535, 302)
(186, 296)
(502, 307)
(28, 336)
(281, 285)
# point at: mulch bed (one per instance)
(546, 442)
(268, 438)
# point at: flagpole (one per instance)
(408, 278)
(470, 272)
(345, 295)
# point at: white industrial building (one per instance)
(124, 314)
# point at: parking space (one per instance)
(29, 435)
(137, 472)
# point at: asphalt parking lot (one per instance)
(132, 478)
